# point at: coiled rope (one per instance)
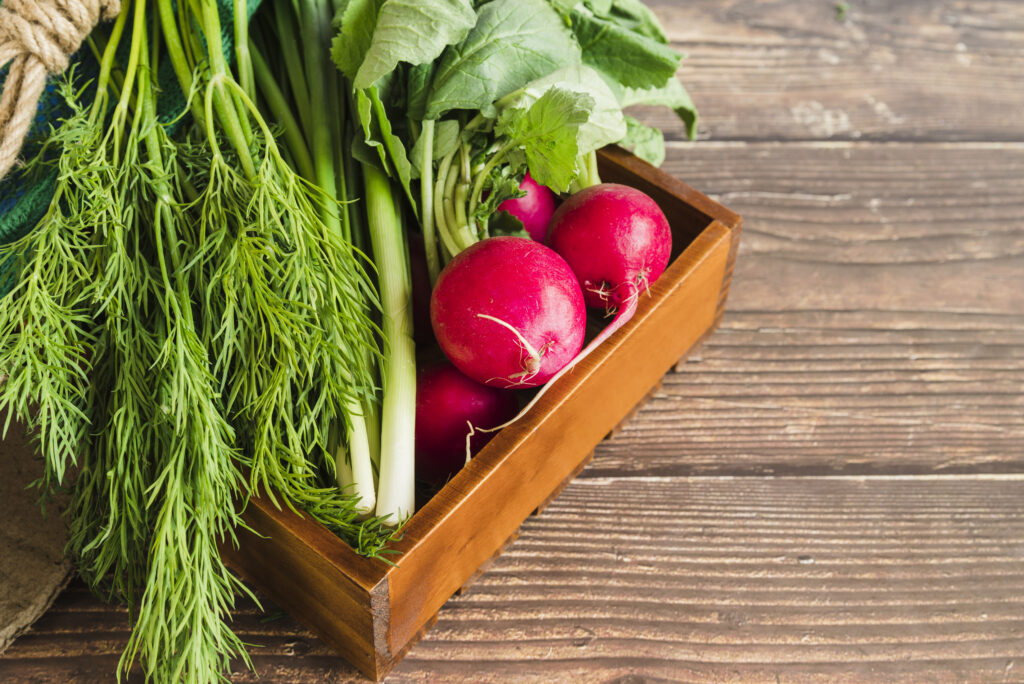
(38, 38)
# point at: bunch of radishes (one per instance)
(509, 312)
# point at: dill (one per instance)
(186, 332)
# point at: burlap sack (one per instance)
(33, 569)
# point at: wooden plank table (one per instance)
(833, 487)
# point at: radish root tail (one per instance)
(530, 362)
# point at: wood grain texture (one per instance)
(875, 325)
(861, 406)
(712, 579)
(748, 580)
(922, 70)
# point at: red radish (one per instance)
(534, 209)
(447, 402)
(508, 312)
(617, 241)
(615, 238)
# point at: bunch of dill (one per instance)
(186, 331)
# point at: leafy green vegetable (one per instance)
(355, 22)
(645, 142)
(504, 185)
(599, 7)
(547, 131)
(637, 17)
(604, 125)
(436, 23)
(671, 94)
(378, 135)
(624, 55)
(513, 43)
(377, 36)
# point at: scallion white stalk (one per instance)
(395, 491)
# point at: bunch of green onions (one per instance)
(314, 111)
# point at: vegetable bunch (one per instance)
(467, 96)
(219, 302)
(186, 330)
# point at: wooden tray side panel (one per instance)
(730, 265)
(469, 520)
(293, 570)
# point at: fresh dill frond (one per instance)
(47, 332)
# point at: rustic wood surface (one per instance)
(832, 488)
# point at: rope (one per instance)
(38, 38)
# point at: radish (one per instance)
(508, 312)
(534, 210)
(447, 403)
(617, 241)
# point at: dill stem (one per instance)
(320, 132)
(242, 60)
(280, 110)
(137, 45)
(99, 105)
(223, 102)
(287, 30)
(177, 53)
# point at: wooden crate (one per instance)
(372, 612)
